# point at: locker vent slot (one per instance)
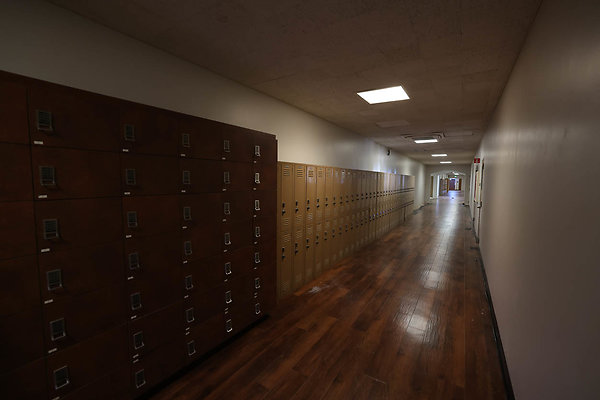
(311, 173)
(257, 257)
(257, 151)
(226, 146)
(257, 178)
(226, 178)
(191, 348)
(299, 172)
(257, 231)
(130, 178)
(185, 140)
(134, 261)
(257, 205)
(187, 247)
(57, 329)
(256, 283)
(47, 176)
(227, 238)
(257, 308)
(226, 208)
(189, 284)
(61, 377)
(138, 340)
(50, 229)
(44, 120)
(136, 301)
(187, 213)
(228, 326)
(129, 132)
(54, 279)
(187, 178)
(228, 297)
(189, 314)
(132, 219)
(140, 379)
(286, 170)
(228, 268)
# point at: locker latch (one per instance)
(295, 248)
(283, 253)
(307, 243)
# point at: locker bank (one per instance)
(299, 200)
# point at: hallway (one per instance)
(406, 318)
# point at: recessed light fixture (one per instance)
(395, 93)
(439, 155)
(445, 162)
(419, 141)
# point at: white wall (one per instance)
(540, 223)
(40, 40)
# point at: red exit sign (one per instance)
(477, 161)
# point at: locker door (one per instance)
(202, 241)
(335, 192)
(309, 263)
(264, 177)
(236, 234)
(146, 175)
(13, 112)
(15, 296)
(25, 383)
(237, 144)
(65, 117)
(150, 215)
(285, 258)
(311, 194)
(15, 174)
(17, 229)
(22, 341)
(298, 265)
(318, 246)
(148, 130)
(341, 238)
(341, 193)
(264, 204)
(199, 138)
(334, 239)
(147, 333)
(154, 259)
(204, 336)
(114, 385)
(199, 210)
(299, 196)
(263, 229)
(266, 152)
(320, 206)
(326, 245)
(202, 176)
(236, 206)
(157, 366)
(240, 176)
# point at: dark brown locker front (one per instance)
(263, 229)
(148, 175)
(21, 338)
(265, 148)
(264, 177)
(148, 130)
(202, 305)
(69, 321)
(199, 138)
(19, 288)
(237, 144)
(17, 229)
(236, 234)
(201, 242)
(151, 331)
(200, 210)
(264, 204)
(85, 362)
(69, 273)
(236, 206)
(237, 176)
(68, 224)
(150, 215)
(155, 367)
(15, 174)
(65, 117)
(204, 274)
(27, 382)
(13, 111)
(202, 176)
(203, 337)
(114, 386)
(68, 174)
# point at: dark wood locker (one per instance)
(264, 204)
(201, 176)
(265, 148)
(241, 262)
(68, 224)
(73, 320)
(199, 138)
(21, 338)
(17, 229)
(202, 241)
(204, 274)
(27, 382)
(265, 254)
(156, 367)
(113, 386)
(148, 175)
(263, 229)
(262, 290)
(237, 144)
(237, 318)
(203, 336)
(150, 215)
(15, 174)
(264, 177)
(67, 274)
(66, 117)
(200, 306)
(235, 206)
(237, 176)
(19, 287)
(154, 330)
(286, 211)
(13, 110)
(68, 173)
(236, 234)
(85, 362)
(148, 130)
(237, 291)
(199, 210)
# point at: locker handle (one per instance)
(296, 209)
(318, 205)
(307, 208)
(283, 253)
(296, 248)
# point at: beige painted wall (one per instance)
(540, 223)
(40, 40)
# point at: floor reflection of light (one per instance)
(431, 279)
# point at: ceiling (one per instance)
(453, 57)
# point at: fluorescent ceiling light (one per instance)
(395, 93)
(425, 141)
(445, 162)
(439, 155)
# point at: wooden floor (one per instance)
(406, 318)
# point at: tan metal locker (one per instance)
(311, 194)
(320, 206)
(334, 238)
(318, 245)
(298, 262)
(299, 207)
(285, 258)
(329, 179)
(309, 262)
(286, 205)
(326, 245)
